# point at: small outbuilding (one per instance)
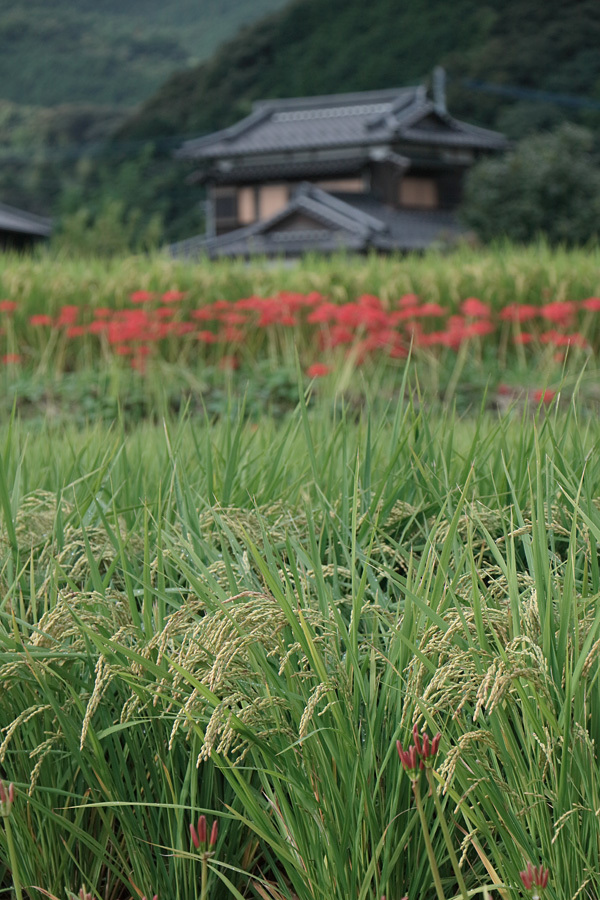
(20, 230)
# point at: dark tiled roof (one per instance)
(16, 220)
(292, 169)
(352, 222)
(343, 120)
(260, 171)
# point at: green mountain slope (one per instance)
(109, 52)
(314, 47)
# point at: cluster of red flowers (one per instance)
(419, 755)
(363, 327)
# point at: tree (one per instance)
(548, 185)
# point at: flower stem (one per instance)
(204, 878)
(12, 855)
(427, 838)
(445, 831)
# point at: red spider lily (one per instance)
(560, 312)
(410, 761)
(8, 305)
(426, 748)
(207, 337)
(336, 336)
(431, 310)
(68, 315)
(474, 308)
(7, 797)
(387, 339)
(477, 329)
(122, 350)
(318, 370)
(420, 755)
(181, 328)
(404, 315)
(369, 300)
(205, 314)
(592, 304)
(563, 340)
(234, 318)
(525, 337)
(76, 331)
(40, 319)
(172, 296)
(199, 834)
(141, 296)
(103, 312)
(546, 396)
(98, 327)
(534, 877)
(11, 359)
(234, 335)
(165, 312)
(408, 300)
(229, 363)
(326, 312)
(519, 312)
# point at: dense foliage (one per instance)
(548, 184)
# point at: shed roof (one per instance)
(362, 119)
(17, 220)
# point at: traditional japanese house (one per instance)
(379, 170)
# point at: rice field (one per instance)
(223, 628)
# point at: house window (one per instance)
(226, 207)
(420, 193)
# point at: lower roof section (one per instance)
(21, 222)
(318, 221)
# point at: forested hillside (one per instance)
(109, 52)
(314, 47)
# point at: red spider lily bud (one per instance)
(435, 743)
(84, 895)
(535, 879)
(410, 761)
(194, 836)
(214, 831)
(154, 898)
(417, 740)
(202, 829)
(426, 748)
(7, 798)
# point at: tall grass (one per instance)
(242, 619)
